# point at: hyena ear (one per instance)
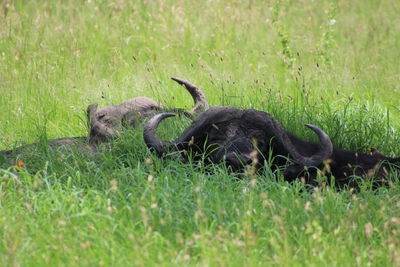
(91, 109)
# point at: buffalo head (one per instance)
(239, 137)
(106, 123)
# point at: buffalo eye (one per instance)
(109, 122)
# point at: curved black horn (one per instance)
(149, 133)
(326, 148)
(206, 120)
(200, 101)
(324, 153)
(198, 127)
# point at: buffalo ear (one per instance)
(91, 109)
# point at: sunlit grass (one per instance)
(332, 64)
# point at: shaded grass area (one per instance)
(332, 64)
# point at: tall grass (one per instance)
(330, 63)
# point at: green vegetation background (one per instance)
(330, 63)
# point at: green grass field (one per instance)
(334, 64)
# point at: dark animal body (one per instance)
(239, 137)
(107, 122)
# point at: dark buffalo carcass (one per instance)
(240, 137)
(106, 122)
